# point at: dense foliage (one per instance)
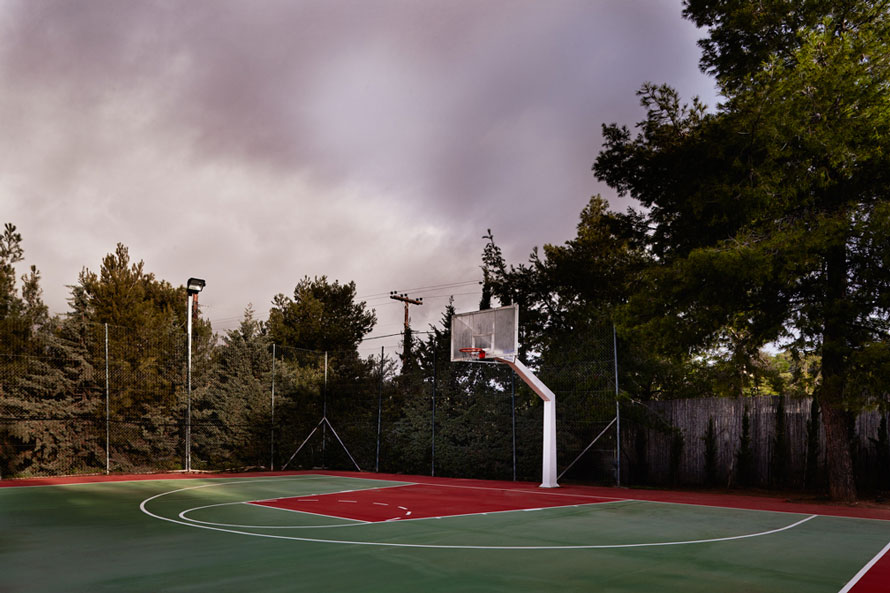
(768, 218)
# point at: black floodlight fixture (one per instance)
(195, 285)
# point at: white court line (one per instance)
(184, 517)
(865, 569)
(544, 491)
(601, 500)
(143, 507)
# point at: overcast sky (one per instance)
(252, 143)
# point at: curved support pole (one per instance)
(548, 470)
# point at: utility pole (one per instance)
(404, 298)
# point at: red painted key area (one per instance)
(419, 501)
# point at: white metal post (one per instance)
(107, 409)
(188, 418)
(617, 411)
(379, 410)
(192, 288)
(324, 413)
(548, 469)
(272, 425)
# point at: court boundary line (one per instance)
(864, 570)
(734, 500)
(614, 499)
(144, 509)
(600, 500)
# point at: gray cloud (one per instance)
(374, 141)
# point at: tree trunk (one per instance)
(841, 486)
(839, 462)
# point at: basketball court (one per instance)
(351, 532)
(338, 531)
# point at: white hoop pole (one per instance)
(548, 465)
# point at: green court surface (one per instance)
(198, 535)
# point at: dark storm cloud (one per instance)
(409, 126)
(244, 75)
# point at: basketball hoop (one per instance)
(479, 353)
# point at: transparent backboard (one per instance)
(496, 331)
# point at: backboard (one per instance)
(496, 331)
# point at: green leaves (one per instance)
(321, 316)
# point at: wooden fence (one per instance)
(663, 443)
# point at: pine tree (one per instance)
(744, 455)
(233, 413)
(44, 380)
(769, 216)
(780, 460)
(710, 439)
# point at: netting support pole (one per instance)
(324, 412)
(379, 411)
(323, 422)
(272, 421)
(435, 379)
(107, 409)
(617, 411)
(587, 448)
(513, 415)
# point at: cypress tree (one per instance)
(745, 456)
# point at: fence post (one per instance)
(324, 412)
(513, 414)
(379, 411)
(107, 409)
(617, 411)
(435, 380)
(272, 422)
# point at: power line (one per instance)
(421, 289)
(392, 335)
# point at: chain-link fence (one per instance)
(83, 398)
(86, 398)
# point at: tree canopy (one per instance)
(321, 316)
(768, 217)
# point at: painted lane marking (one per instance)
(184, 516)
(865, 569)
(190, 523)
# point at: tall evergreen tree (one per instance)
(233, 413)
(321, 316)
(148, 319)
(769, 216)
(44, 379)
(146, 322)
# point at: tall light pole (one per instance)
(193, 287)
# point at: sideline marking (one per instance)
(864, 570)
(189, 523)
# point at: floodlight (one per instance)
(195, 285)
